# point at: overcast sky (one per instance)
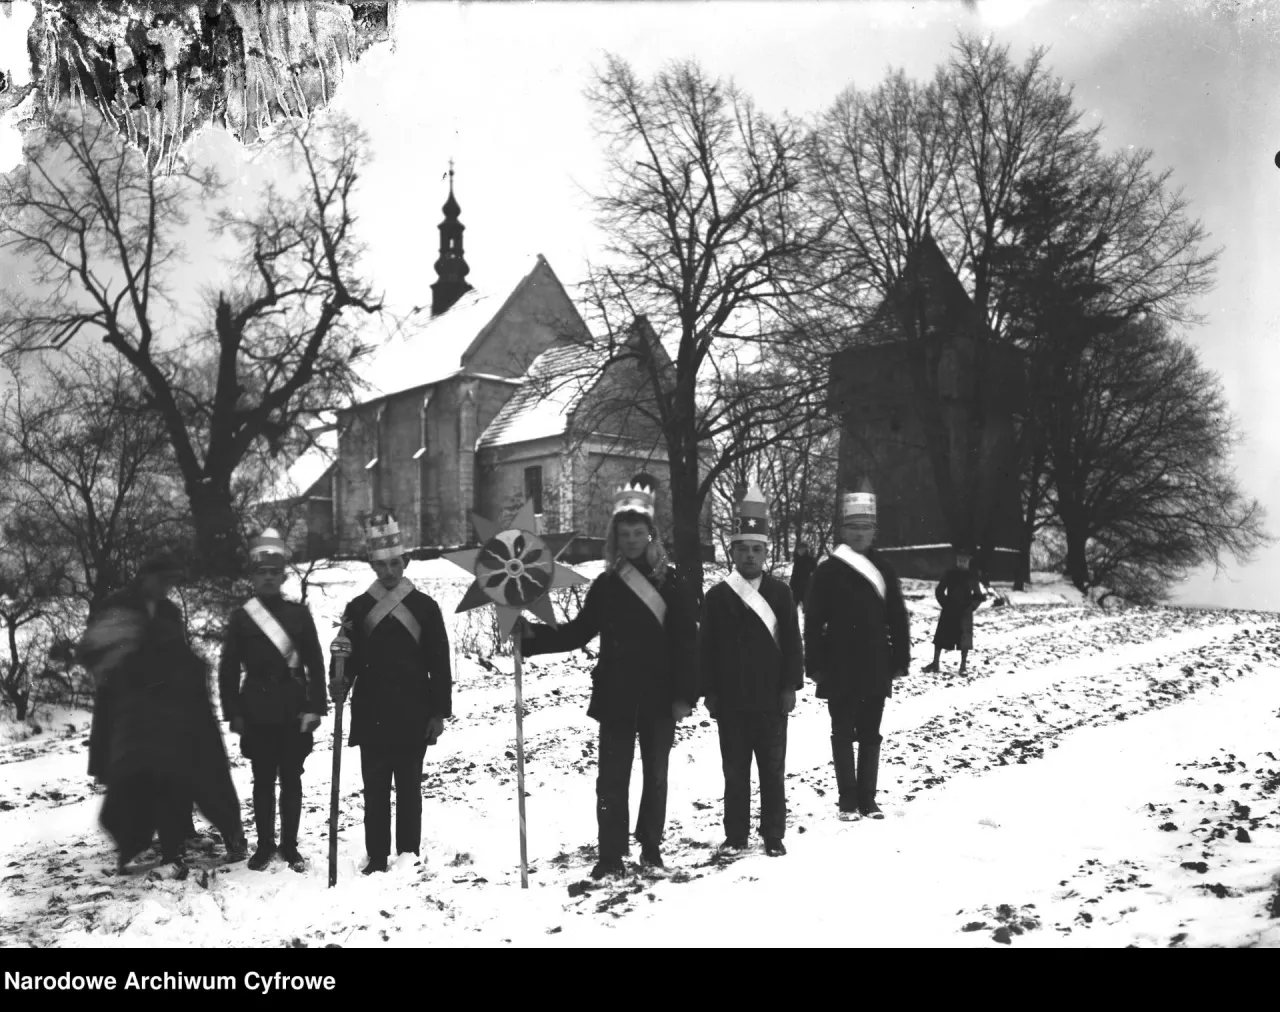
(498, 88)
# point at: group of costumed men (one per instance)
(157, 747)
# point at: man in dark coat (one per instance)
(958, 593)
(281, 699)
(155, 742)
(645, 679)
(399, 664)
(857, 641)
(750, 665)
(802, 568)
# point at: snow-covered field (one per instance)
(1106, 778)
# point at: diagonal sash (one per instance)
(390, 602)
(754, 600)
(644, 590)
(862, 565)
(274, 631)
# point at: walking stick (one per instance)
(340, 648)
(524, 852)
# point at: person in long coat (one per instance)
(280, 701)
(958, 594)
(857, 641)
(645, 679)
(399, 664)
(750, 666)
(802, 568)
(155, 742)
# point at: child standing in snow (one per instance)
(958, 594)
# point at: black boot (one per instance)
(868, 768)
(263, 855)
(846, 776)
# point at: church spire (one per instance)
(451, 268)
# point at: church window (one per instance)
(533, 488)
(376, 490)
(422, 429)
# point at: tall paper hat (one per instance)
(751, 517)
(384, 538)
(637, 496)
(861, 503)
(268, 546)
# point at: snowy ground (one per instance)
(1106, 778)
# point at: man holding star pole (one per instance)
(751, 666)
(399, 666)
(857, 641)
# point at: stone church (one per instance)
(493, 399)
(886, 387)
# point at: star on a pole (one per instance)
(514, 569)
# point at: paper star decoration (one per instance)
(514, 569)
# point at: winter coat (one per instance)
(739, 662)
(854, 641)
(644, 666)
(153, 714)
(958, 594)
(270, 693)
(801, 576)
(399, 685)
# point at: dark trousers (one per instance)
(613, 780)
(854, 719)
(276, 751)
(764, 735)
(379, 766)
(139, 806)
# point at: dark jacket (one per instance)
(958, 594)
(801, 576)
(854, 641)
(738, 660)
(153, 714)
(270, 693)
(643, 667)
(399, 685)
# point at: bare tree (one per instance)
(100, 234)
(701, 248)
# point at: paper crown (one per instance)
(384, 538)
(861, 503)
(637, 496)
(751, 517)
(268, 546)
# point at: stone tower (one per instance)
(451, 267)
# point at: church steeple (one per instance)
(451, 267)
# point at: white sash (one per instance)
(389, 603)
(862, 565)
(274, 631)
(754, 600)
(644, 590)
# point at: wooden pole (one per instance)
(338, 663)
(524, 851)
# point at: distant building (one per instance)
(883, 436)
(495, 399)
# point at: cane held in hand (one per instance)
(340, 649)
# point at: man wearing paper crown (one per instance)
(645, 678)
(750, 665)
(398, 661)
(857, 641)
(271, 677)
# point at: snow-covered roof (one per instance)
(431, 350)
(308, 469)
(553, 386)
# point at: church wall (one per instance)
(501, 479)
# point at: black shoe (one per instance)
(375, 864)
(651, 857)
(774, 848)
(930, 668)
(871, 810)
(262, 857)
(608, 867)
(292, 858)
(177, 868)
(237, 850)
(734, 843)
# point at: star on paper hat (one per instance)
(514, 569)
(384, 538)
(861, 503)
(751, 517)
